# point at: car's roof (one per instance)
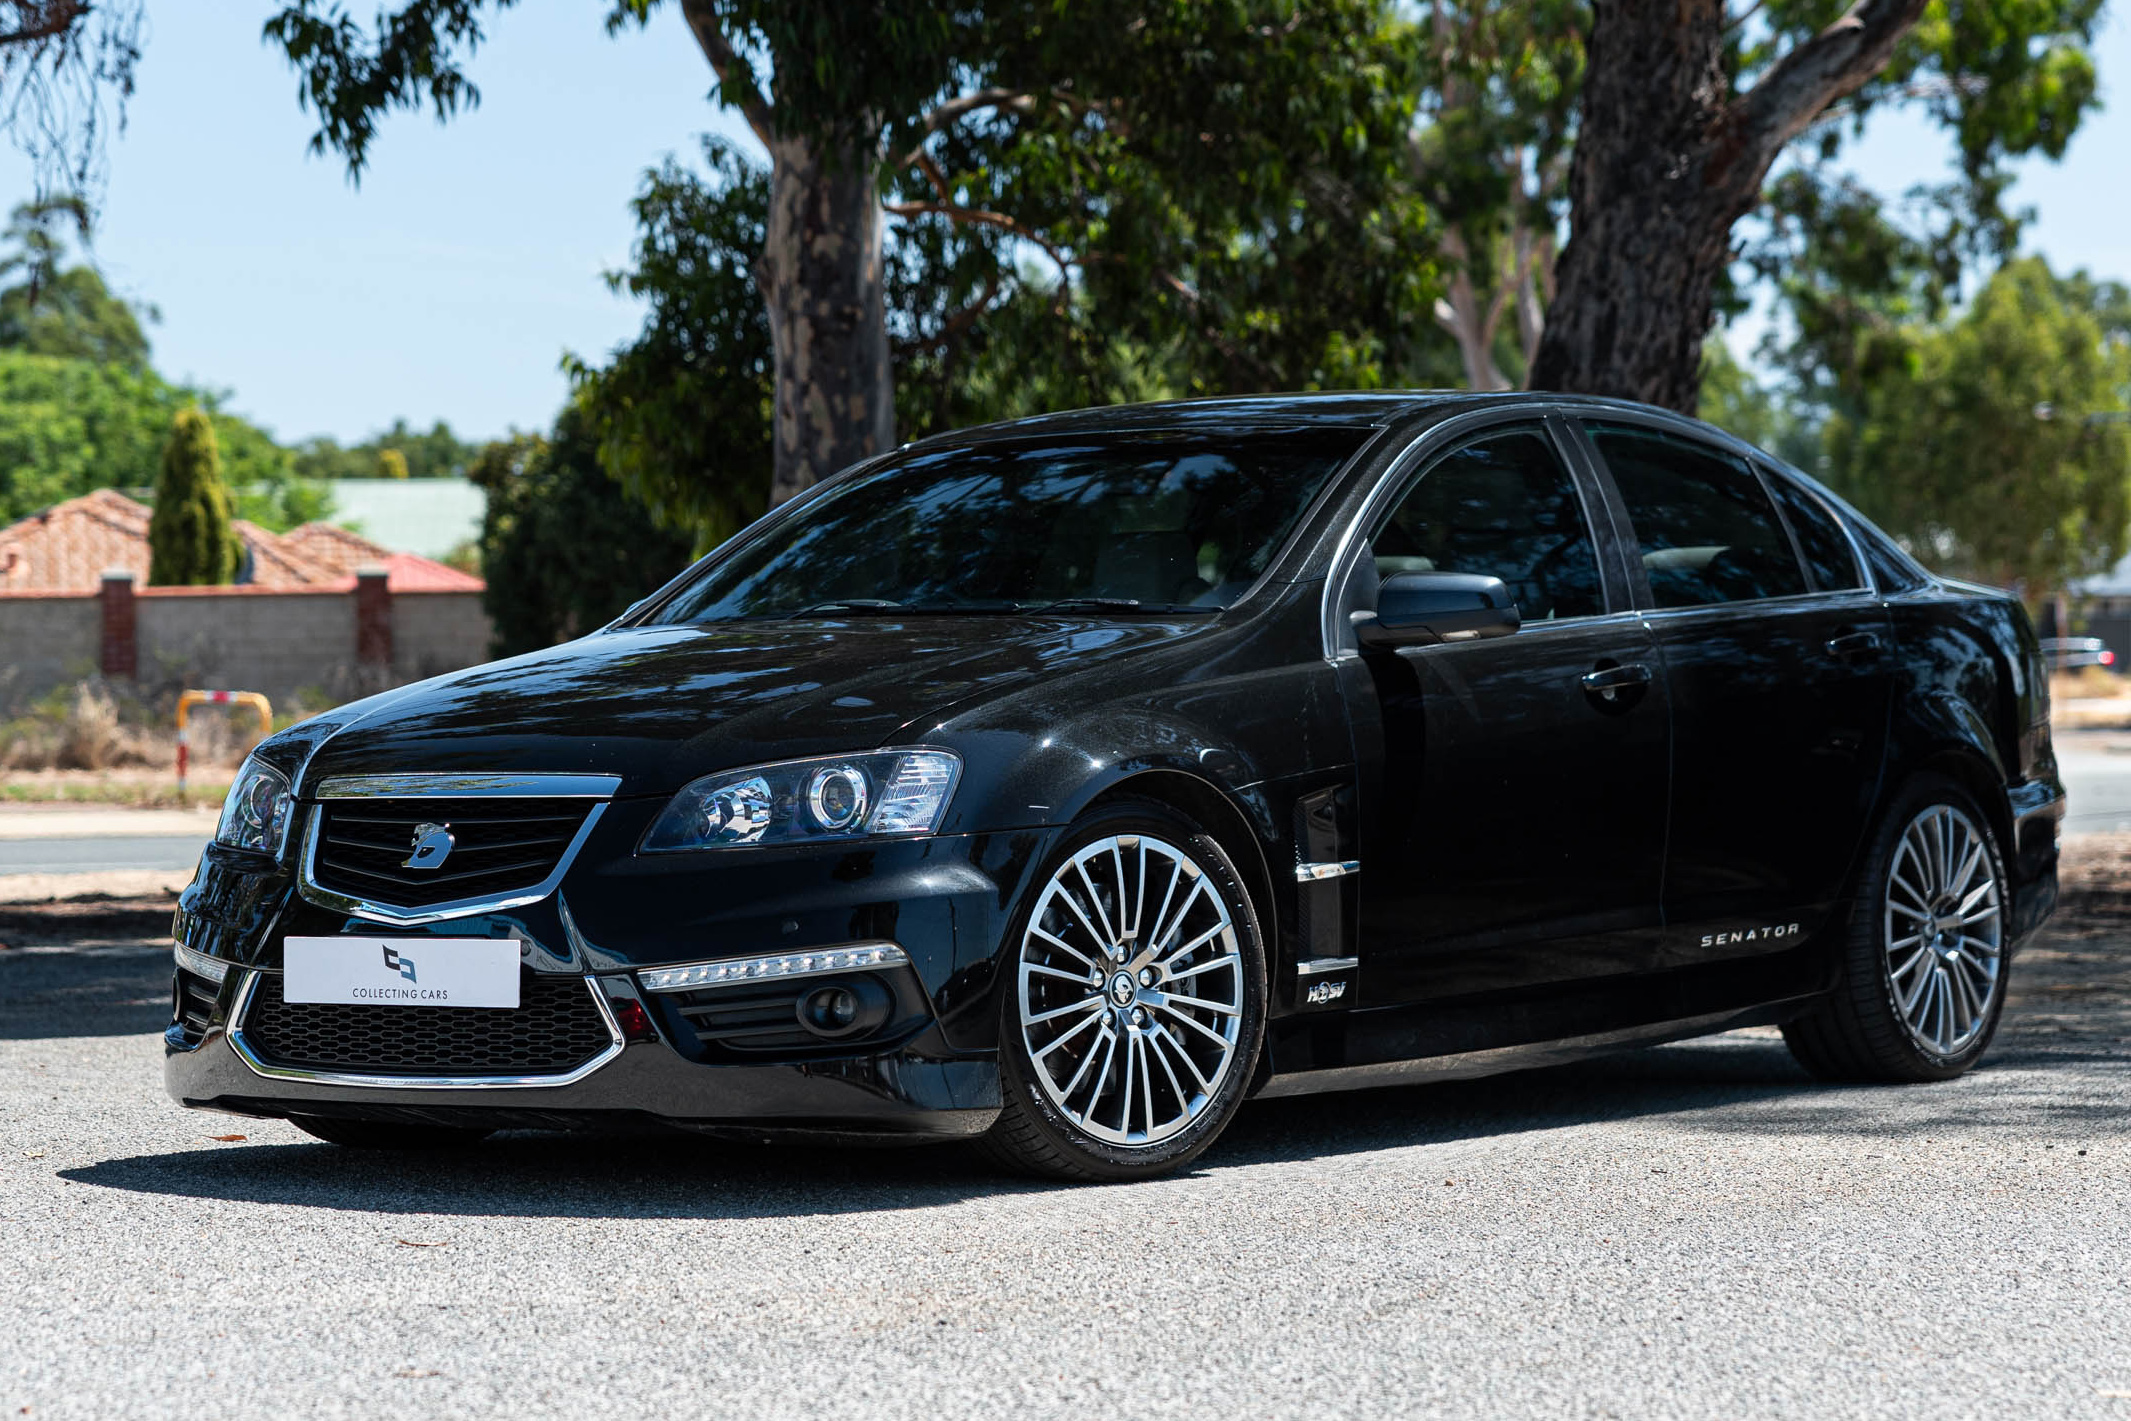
(1338, 409)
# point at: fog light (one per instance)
(838, 1009)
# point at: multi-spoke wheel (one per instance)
(1923, 973)
(1942, 927)
(1133, 1001)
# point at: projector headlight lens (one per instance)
(257, 810)
(811, 801)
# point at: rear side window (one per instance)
(1703, 523)
(1827, 552)
(1891, 568)
(1502, 506)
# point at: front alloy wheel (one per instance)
(1135, 1002)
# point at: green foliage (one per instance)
(682, 413)
(189, 538)
(1993, 442)
(58, 310)
(70, 426)
(562, 550)
(439, 453)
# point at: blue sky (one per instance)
(448, 284)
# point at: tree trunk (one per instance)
(822, 282)
(1668, 157)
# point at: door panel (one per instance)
(1780, 690)
(1516, 833)
(1512, 814)
(1780, 726)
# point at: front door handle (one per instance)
(1853, 644)
(1609, 681)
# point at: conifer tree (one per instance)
(190, 542)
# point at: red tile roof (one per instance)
(68, 547)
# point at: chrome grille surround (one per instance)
(599, 788)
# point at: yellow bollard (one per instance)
(188, 699)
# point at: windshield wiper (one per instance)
(1125, 606)
(848, 604)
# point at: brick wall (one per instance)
(282, 642)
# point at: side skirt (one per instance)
(1466, 1064)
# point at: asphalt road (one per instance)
(2096, 766)
(90, 855)
(1692, 1231)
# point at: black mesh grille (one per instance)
(756, 1016)
(500, 846)
(554, 1029)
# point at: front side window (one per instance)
(1154, 519)
(1705, 527)
(1502, 506)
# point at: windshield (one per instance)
(1118, 522)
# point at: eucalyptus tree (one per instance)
(1685, 108)
(1203, 161)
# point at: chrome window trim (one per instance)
(373, 911)
(1432, 442)
(1788, 599)
(241, 1008)
(476, 786)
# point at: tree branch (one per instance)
(1827, 67)
(733, 86)
(982, 217)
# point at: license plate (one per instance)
(401, 971)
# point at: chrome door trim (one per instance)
(471, 786)
(367, 1081)
(371, 910)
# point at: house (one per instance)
(316, 613)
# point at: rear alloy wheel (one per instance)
(1134, 1006)
(1924, 970)
(386, 1134)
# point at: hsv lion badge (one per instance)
(433, 844)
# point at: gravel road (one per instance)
(1692, 1231)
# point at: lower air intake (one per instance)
(555, 1029)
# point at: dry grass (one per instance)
(93, 725)
(2088, 683)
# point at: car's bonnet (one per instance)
(659, 706)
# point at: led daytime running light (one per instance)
(198, 963)
(854, 956)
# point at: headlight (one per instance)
(256, 813)
(811, 801)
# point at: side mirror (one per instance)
(1419, 608)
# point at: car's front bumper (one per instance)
(944, 900)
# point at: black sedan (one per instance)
(1059, 785)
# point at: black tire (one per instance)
(386, 1134)
(1860, 1031)
(1033, 1134)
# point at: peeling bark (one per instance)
(821, 279)
(1668, 158)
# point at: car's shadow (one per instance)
(1743, 1085)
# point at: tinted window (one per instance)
(1892, 568)
(1827, 552)
(1705, 526)
(1176, 521)
(1505, 507)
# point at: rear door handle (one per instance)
(1853, 644)
(1607, 680)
